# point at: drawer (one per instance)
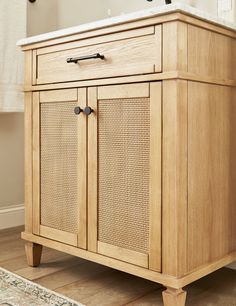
(127, 53)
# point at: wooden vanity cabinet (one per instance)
(97, 177)
(130, 160)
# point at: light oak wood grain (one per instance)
(207, 269)
(33, 253)
(139, 90)
(211, 54)
(175, 50)
(107, 81)
(174, 192)
(92, 184)
(211, 173)
(34, 68)
(28, 162)
(174, 297)
(98, 40)
(36, 163)
(170, 75)
(82, 171)
(166, 280)
(28, 73)
(62, 95)
(123, 254)
(55, 234)
(120, 59)
(155, 184)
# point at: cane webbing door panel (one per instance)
(59, 160)
(124, 173)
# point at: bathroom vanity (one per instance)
(130, 146)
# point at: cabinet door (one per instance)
(124, 173)
(59, 166)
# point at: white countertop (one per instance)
(152, 12)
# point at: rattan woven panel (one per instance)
(123, 175)
(59, 166)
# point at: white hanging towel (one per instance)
(13, 14)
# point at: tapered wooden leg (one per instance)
(174, 297)
(33, 253)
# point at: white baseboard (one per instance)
(12, 216)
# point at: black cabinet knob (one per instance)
(78, 110)
(88, 110)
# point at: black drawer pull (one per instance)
(83, 58)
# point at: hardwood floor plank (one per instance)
(11, 249)
(154, 298)
(78, 274)
(12, 230)
(109, 289)
(53, 265)
(9, 237)
(20, 262)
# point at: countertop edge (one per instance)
(135, 16)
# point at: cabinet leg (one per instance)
(174, 297)
(33, 253)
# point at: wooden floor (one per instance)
(93, 284)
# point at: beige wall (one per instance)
(124, 6)
(42, 16)
(74, 12)
(45, 16)
(11, 159)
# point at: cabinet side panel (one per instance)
(174, 215)
(212, 173)
(211, 54)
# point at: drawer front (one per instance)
(127, 53)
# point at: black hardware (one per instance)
(83, 58)
(32, 1)
(78, 110)
(88, 110)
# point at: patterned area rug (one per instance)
(17, 291)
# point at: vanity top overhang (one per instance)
(136, 16)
